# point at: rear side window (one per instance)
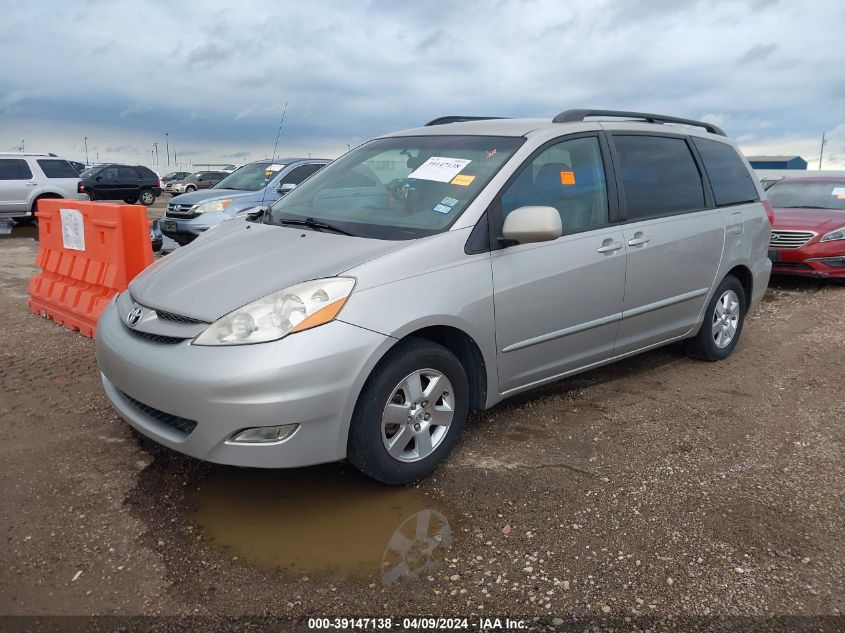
(128, 173)
(14, 169)
(659, 176)
(300, 173)
(57, 168)
(728, 175)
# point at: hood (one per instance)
(204, 195)
(239, 262)
(819, 220)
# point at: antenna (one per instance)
(275, 147)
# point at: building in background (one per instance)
(777, 162)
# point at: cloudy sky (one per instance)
(216, 75)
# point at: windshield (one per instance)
(810, 194)
(251, 177)
(398, 188)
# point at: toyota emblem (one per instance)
(134, 316)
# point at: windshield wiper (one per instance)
(317, 225)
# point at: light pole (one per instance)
(821, 151)
(87, 164)
(97, 154)
(22, 148)
(167, 148)
(156, 148)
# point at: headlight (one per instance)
(215, 206)
(838, 234)
(270, 318)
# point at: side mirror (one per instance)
(526, 225)
(286, 187)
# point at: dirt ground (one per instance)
(657, 488)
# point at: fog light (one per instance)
(264, 434)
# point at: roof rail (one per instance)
(570, 116)
(443, 120)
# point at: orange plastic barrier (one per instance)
(88, 252)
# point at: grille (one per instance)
(792, 265)
(178, 318)
(180, 211)
(157, 338)
(790, 239)
(182, 425)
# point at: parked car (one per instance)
(808, 233)
(433, 272)
(27, 178)
(79, 167)
(130, 183)
(156, 238)
(198, 180)
(261, 182)
(173, 176)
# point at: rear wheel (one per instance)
(146, 197)
(410, 413)
(723, 322)
(190, 188)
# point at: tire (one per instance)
(24, 219)
(130, 200)
(146, 197)
(412, 366)
(723, 321)
(190, 188)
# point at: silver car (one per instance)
(434, 272)
(27, 178)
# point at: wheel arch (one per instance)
(469, 354)
(44, 195)
(746, 279)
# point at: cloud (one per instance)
(215, 74)
(757, 53)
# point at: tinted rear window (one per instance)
(57, 168)
(14, 169)
(728, 175)
(659, 175)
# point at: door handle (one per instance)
(31, 184)
(609, 246)
(639, 239)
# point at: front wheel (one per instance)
(130, 200)
(410, 413)
(723, 322)
(146, 197)
(190, 188)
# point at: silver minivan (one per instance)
(433, 272)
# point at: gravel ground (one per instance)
(660, 487)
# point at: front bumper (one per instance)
(311, 378)
(816, 259)
(185, 230)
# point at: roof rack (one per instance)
(570, 116)
(443, 120)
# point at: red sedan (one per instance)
(808, 233)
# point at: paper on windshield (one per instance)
(838, 191)
(440, 169)
(275, 167)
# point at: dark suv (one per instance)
(121, 182)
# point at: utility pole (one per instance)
(87, 164)
(152, 154)
(22, 148)
(167, 148)
(821, 151)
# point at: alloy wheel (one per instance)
(725, 319)
(418, 415)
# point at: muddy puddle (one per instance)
(319, 521)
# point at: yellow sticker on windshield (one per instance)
(567, 177)
(463, 181)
